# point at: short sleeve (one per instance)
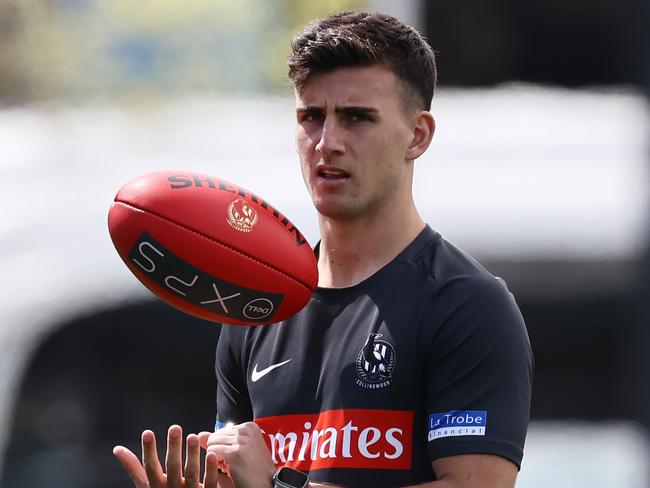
(233, 402)
(479, 368)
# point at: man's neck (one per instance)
(352, 251)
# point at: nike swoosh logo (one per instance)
(256, 375)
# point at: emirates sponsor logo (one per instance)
(348, 438)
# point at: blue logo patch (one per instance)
(457, 423)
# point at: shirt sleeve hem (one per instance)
(506, 450)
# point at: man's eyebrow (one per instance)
(339, 110)
(355, 110)
(308, 109)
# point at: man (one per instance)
(411, 364)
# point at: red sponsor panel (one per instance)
(347, 438)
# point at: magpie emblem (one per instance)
(375, 363)
(241, 215)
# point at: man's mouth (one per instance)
(332, 173)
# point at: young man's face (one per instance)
(352, 136)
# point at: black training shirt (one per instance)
(427, 358)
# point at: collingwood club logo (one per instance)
(241, 215)
(375, 363)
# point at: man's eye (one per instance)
(360, 117)
(311, 117)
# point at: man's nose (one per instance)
(331, 139)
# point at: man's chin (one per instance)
(337, 211)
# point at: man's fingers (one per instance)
(192, 462)
(132, 466)
(173, 459)
(150, 460)
(211, 471)
(203, 439)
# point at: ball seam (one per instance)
(167, 219)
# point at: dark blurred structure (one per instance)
(583, 330)
(100, 380)
(642, 395)
(565, 42)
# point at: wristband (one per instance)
(290, 478)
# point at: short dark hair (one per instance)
(350, 39)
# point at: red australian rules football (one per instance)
(212, 248)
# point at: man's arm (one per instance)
(466, 471)
(472, 471)
(241, 448)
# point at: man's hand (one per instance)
(243, 454)
(150, 474)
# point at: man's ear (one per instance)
(423, 128)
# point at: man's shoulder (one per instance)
(448, 265)
(234, 337)
(469, 305)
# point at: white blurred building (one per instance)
(548, 187)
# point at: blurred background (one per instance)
(539, 168)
